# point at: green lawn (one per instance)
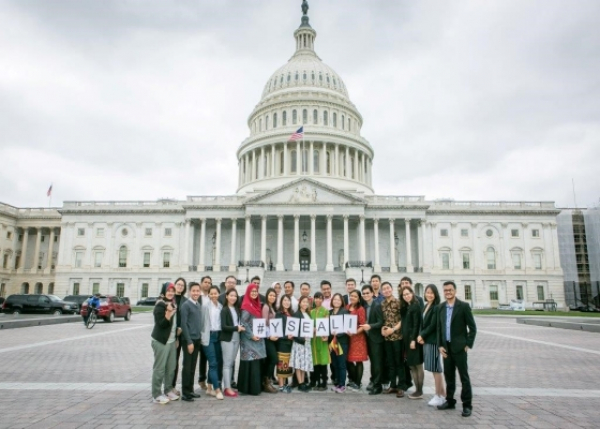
(535, 313)
(142, 309)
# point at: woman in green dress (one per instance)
(320, 348)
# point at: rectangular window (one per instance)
(516, 257)
(5, 261)
(75, 288)
(464, 232)
(99, 232)
(443, 233)
(95, 288)
(468, 295)
(20, 237)
(148, 232)
(56, 238)
(80, 232)
(2, 289)
(98, 256)
(78, 260)
(540, 293)
(514, 233)
(9, 234)
(43, 238)
(466, 261)
(144, 290)
(535, 233)
(537, 261)
(146, 259)
(446, 261)
(120, 290)
(520, 292)
(166, 259)
(168, 232)
(493, 293)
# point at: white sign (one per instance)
(350, 323)
(259, 328)
(306, 328)
(336, 324)
(292, 326)
(322, 327)
(276, 327)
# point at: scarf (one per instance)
(252, 306)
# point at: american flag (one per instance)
(298, 135)
(49, 191)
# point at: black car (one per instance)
(37, 304)
(77, 299)
(150, 300)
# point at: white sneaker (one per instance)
(172, 396)
(434, 401)
(441, 400)
(162, 399)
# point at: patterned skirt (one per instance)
(433, 360)
(284, 370)
(302, 357)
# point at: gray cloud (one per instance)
(146, 99)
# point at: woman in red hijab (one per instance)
(252, 348)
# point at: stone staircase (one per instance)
(313, 278)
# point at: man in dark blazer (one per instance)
(374, 338)
(230, 283)
(191, 325)
(456, 335)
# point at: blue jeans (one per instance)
(339, 365)
(215, 360)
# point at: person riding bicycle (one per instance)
(93, 303)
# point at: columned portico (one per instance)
(232, 262)
(329, 266)
(409, 265)
(377, 266)
(313, 241)
(280, 266)
(296, 266)
(393, 265)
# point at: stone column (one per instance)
(377, 266)
(51, 251)
(526, 249)
(324, 159)
(36, 255)
(346, 242)
(311, 162)
(356, 172)
(335, 169)
(313, 243)
(217, 266)
(477, 265)
(409, 265)
(285, 160)
(273, 152)
(506, 246)
(247, 239)
(186, 244)
(21, 266)
(254, 166)
(348, 174)
(262, 164)
(363, 250)
(296, 265)
(240, 166)
(233, 262)
(555, 249)
(420, 226)
(263, 240)
(393, 265)
(329, 266)
(201, 261)
(280, 266)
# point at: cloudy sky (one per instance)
(139, 99)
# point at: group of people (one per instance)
(401, 337)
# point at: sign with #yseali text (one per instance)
(259, 328)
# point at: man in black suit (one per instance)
(230, 283)
(374, 338)
(456, 335)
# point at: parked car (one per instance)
(77, 299)
(37, 304)
(585, 308)
(150, 300)
(110, 307)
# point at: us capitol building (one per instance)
(303, 210)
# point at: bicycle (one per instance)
(92, 318)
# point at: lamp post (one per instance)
(362, 273)
(247, 275)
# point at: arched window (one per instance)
(316, 161)
(315, 116)
(320, 78)
(328, 162)
(491, 258)
(325, 118)
(289, 77)
(281, 162)
(343, 124)
(294, 161)
(294, 117)
(122, 257)
(305, 160)
(296, 76)
(284, 118)
(304, 116)
(334, 118)
(274, 120)
(304, 76)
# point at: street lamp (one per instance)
(362, 273)
(304, 236)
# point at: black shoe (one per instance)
(446, 406)
(194, 395)
(370, 386)
(187, 399)
(467, 412)
(376, 391)
(233, 385)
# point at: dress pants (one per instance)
(163, 368)
(202, 366)
(375, 355)
(395, 361)
(339, 365)
(229, 350)
(457, 361)
(189, 367)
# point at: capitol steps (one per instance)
(313, 278)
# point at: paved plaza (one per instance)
(65, 376)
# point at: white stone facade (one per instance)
(319, 216)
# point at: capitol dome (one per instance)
(308, 99)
